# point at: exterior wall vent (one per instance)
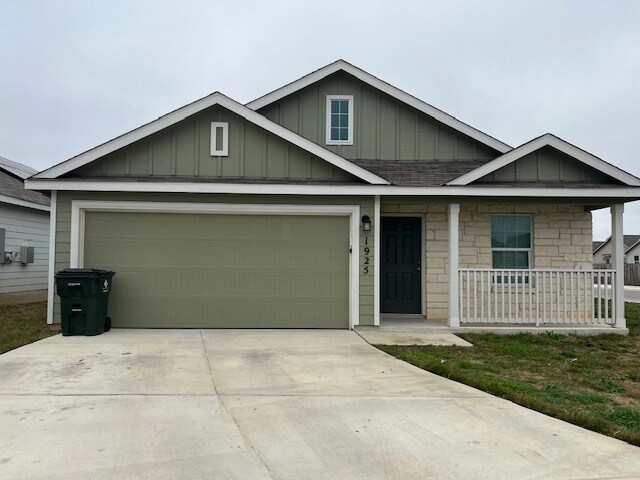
(219, 139)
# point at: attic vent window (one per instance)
(219, 139)
(339, 120)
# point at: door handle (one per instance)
(418, 268)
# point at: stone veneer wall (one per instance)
(561, 239)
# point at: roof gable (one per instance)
(12, 191)
(628, 242)
(547, 140)
(183, 152)
(384, 128)
(177, 116)
(19, 169)
(385, 87)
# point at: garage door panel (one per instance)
(186, 270)
(205, 314)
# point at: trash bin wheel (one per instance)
(107, 324)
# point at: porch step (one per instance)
(388, 335)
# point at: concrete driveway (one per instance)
(166, 404)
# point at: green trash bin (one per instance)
(84, 295)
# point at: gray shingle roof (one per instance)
(419, 173)
(12, 186)
(18, 169)
(630, 240)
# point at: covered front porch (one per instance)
(536, 277)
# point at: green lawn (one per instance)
(23, 324)
(593, 381)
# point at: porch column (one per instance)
(617, 260)
(454, 306)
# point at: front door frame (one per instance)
(423, 261)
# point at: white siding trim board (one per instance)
(80, 207)
(628, 193)
(52, 256)
(376, 261)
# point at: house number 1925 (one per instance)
(367, 250)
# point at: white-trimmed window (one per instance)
(511, 241)
(339, 120)
(219, 139)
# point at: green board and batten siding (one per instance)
(548, 165)
(384, 128)
(184, 150)
(63, 221)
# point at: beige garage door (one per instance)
(222, 271)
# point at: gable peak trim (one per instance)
(375, 82)
(545, 140)
(193, 108)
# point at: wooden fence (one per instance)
(631, 272)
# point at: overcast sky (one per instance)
(74, 74)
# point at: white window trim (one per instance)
(330, 98)
(80, 207)
(224, 151)
(528, 250)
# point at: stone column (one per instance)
(454, 306)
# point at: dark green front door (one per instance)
(400, 267)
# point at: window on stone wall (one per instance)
(511, 241)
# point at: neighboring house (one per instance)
(24, 231)
(331, 202)
(603, 251)
(632, 254)
(596, 244)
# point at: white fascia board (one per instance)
(385, 87)
(24, 203)
(195, 107)
(547, 140)
(631, 193)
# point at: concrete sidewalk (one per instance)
(269, 404)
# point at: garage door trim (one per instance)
(80, 207)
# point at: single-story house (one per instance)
(632, 253)
(335, 201)
(603, 251)
(24, 231)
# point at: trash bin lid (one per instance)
(83, 272)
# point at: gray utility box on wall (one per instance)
(26, 254)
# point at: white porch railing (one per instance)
(537, 297)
